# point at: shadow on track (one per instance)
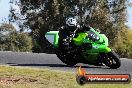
(52, 65)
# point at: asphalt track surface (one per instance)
(50, 61)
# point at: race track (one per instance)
(50, 61)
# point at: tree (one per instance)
(7, 31)
(12, 40)
(124, 42)
(43, 15)
(24, 42)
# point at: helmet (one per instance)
(72, 22)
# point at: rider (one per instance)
(70, 29)
(72, 26)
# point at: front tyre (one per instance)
(113, 60)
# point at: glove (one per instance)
(68, 39)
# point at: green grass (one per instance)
(18, 77)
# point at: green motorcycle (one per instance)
(87, 47)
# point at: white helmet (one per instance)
(71, 21)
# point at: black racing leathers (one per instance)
(65, 33)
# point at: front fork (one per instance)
(104, 57)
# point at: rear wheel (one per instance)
(66, 58)
(112, 60)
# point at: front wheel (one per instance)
(112, 60)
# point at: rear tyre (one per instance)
(66, 58)
(113, 60)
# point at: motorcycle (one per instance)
(87, 47)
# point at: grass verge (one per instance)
(18, 77)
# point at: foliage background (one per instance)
(41, 16)
(12, 40)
